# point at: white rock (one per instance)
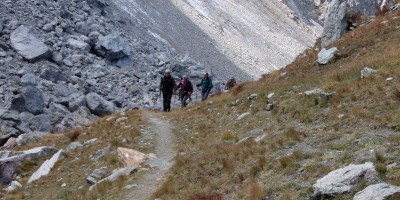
(243, 116)
(380, 191)
(45, 168)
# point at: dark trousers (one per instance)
(167, 96)
(183, 97)
(204, 94)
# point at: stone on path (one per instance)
(130, 157)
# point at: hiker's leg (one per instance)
(203, 94)
(206, 93)
(184, 100)
(164, 102)
(169, 97)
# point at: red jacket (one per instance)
(185, 86)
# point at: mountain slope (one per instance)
(254, 36)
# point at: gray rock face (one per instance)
(324, 56)
(98, 105)
(342, 180)
(97, 175)
(28, 45)
(45, 168)
(335, 22)
(381, 191)
(113, 47)
(365, 7)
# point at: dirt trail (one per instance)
(159, 134)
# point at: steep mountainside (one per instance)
(254, 36)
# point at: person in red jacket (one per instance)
(186, 90)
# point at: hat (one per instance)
(184, 76)
(167, 71)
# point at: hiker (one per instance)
(186, 90)
(206, 86)
(230, 83)
(167, 85)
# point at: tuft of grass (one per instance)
(256, 192)
(286, 160)
(73, 134)
(381, 168)
(379, 157)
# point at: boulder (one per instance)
(335, 22)
(28, 80)
(324, 56)
(367, 72)
(40, 123)
(11, 142)
(380, 191)
(125, 62)
(76, 103)
(130, 157)
(45, 168)
(79, 45)
(82, 28)
(8, 171)
(342, 180)
(14, 185)
(28, 138)
(97, 175)
(30, 154)
(5, 135)
(53, 74)
(28, 45)
(113, 47)
(9, 115)
(121, 172)
(73, 146)
(98, 105)
(30, 100)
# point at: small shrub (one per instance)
(379, 158)
(256, 192)
(286, 160)
(380, 168)
(73, 134)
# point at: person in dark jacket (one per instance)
(167, 85)
(186, 90)
(206, 86)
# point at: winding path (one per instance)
(159, 133)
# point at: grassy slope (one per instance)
(304, 136)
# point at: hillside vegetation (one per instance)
(277, 154)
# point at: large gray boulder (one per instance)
(98, 105)
(342, 180)
(27, 138)
(40, 123)
(77, 44)
(113, 47)
(30, 100)
(380, 191)
(28, 45)
(324, 56)
(335, 22)
(366, 7)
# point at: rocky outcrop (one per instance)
(28, 45)
(380, 191)
(335, 22)
(342, 180)
(324, 56)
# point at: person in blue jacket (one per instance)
(206, 86)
